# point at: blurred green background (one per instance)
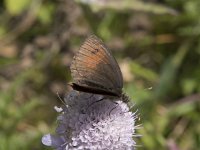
(156, 42)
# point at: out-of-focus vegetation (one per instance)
(156, 42)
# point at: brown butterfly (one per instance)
(95, 70)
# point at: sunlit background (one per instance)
(157, 45)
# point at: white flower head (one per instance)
(93, 122)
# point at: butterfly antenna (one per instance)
(61, 99)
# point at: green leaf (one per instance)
(45, 13)
(135, 5)
(170, 70)
(143, 72)
(15, 7)
(188, 86)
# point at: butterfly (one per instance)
(95, 70)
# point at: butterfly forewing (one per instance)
(95, 69)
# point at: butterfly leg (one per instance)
(95, 102)
(113, 107)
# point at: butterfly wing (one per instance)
(94, 69)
